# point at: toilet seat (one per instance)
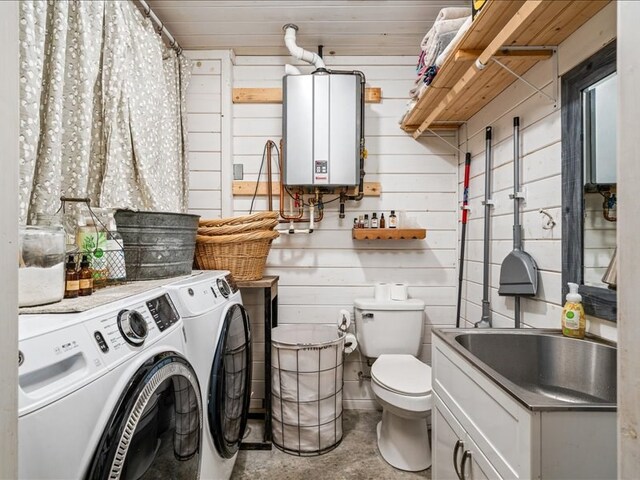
(402, 381)
(402, 374)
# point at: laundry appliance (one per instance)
(108, 393)
(219, 348)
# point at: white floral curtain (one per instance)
(102, 109)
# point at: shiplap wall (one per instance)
(541, 166)
(204, 123)
(324, 272)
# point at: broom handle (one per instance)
(517, 228)
(485, 320)
(465, 216)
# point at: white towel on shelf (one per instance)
(453, 12)
(454, 43)
(443, 26)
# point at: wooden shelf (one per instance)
(274, 95)
(388, 233)
(460, 89)
(248, 188)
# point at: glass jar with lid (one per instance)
(41, 262)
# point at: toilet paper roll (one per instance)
(399, 291)
(344, 320)
(350, 343)
(382, 292)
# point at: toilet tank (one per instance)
(389, 326)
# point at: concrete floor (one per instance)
(357, 457)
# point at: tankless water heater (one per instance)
(322, 129)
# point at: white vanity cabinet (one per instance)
(498, 437)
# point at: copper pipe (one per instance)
(282, 214)
(286, 218)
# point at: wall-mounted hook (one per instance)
(550, 220)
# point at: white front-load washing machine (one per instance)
(108, 394)
(219, 348)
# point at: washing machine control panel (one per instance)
(163, 312)
(133, 327)
(223, 287)
(232, 282)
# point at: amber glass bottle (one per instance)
(71, 284)
(86, 277)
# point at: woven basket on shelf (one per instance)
(219, 222)
(240, 228)
(243, 254)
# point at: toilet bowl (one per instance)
(402, 385)
(390, 331)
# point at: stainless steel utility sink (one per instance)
(541, 368)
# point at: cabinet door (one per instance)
(447, 433)
(447, 460)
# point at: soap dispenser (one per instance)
(573, 318)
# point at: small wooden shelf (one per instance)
(388, 233)
(460, 89)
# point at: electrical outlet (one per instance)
(238, 171)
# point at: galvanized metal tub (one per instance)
(157, 244)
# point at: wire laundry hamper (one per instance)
(306, 386)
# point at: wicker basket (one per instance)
(243, 254)
(219, 222)
(240, 228)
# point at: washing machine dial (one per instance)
(133, 327)
(223, 286)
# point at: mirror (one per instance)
(599, 106)
(589, 105)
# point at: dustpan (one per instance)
(519, 272)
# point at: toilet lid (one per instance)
(403, 374)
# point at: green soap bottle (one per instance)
(573, 318)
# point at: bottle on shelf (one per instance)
(374, 220)
(383, 222)
(86, 278)
(72, 283)
(360, 222)
(366, 220)
(393, 220)
(355, 222)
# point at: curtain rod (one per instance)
(160, 28)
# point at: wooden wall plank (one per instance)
(247, 188)
(274, 95)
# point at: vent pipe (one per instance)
(298, 52)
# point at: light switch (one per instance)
(238, 171)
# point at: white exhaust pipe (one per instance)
(291, 70)
(298, 52)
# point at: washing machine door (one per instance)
(230, 383)
(156, 429)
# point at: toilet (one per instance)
(391, 332)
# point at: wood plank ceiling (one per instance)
(344, 27)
